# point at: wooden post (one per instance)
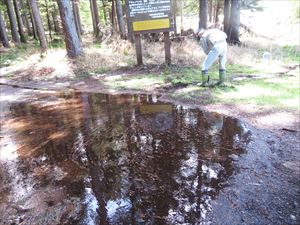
(167, 47)
(138, 49)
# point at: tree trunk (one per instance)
(175, 14)
(93, 16)
(74, 3)
(121, 20)
(35, 35)
(210, 11)
(73, 44)
(20, 22)
(181, 16)
(234, 30)
(48, 19)
(129, 32)
(55, 18)
(55, 22)
(113, 18)
(76, 13)
(113, 15)
(79, 20)
(38, 23)
(25, 18)
(217, 12)
(12, 20)
(203, 11)
(104, 11)
(3, 33)
(226, 16)
(96, 16)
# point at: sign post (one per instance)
(150, 16)
(138, 48)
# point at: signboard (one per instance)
(149, 16)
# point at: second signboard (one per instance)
(150, 15)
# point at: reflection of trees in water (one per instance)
(173, 163)
(43, 137)
(147, 162)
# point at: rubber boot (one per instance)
(222, 74)
(205, 78)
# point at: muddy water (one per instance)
(78, 158)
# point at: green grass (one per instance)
(57, 42)
(190, 76)
(281, 92)
(97, 45)
(291, 53)
(18, 53)
(183, 77)
(241, 69)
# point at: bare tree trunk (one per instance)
(20, 22)
(217, 12)
(175, 15)
(93, 17)
(39, 25)
(5, 16)
(226, 16)
(25, 18)
(234, 30)
(203, 11)
(210, 11)
(48, 19)
(129, 32)
(121, 20)
(35, 35)
(55, 18)
(77, 17)
(55, 22)
(113, 15)
(12, 20)
(104, 11)
(3, 33)
(73, 44)
(96, 14)
(181, 17)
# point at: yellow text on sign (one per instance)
(151, 24)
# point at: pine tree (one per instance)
(3, 33)
(234, 27)
(120, 17)
(38, 23)
(73, 44)
(203, 11)
(20, 22)
(13, 22)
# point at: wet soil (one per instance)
(91, 158)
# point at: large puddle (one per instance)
(83, 158)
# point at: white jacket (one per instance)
(210, 38)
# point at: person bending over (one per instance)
(213, 43)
